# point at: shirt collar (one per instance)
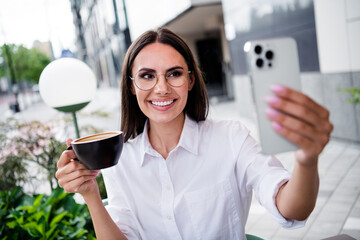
(188, 139)
(189, 136)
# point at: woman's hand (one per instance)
(74, 176)
(301, 120)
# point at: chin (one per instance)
(165, 118)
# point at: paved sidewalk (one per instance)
(338, 206)
(337, 209)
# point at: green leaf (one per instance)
(37, 202)
(25, 208)
(26, 201)
(11, 224)
(56, 195)
(51, 232)
(77, 234)
(90, 237)
(43, 221)
(33, 230)
(58, 218)
(354, 94)
(42, 224)
(47, 210)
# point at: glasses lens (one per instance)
(145, 80)
(176, 78)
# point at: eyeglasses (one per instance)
(146, 79)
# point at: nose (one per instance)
(162, 87)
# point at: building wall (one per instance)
(102, 37)
(338, 30)
(144, 15)
(248, 20)
(327, 34)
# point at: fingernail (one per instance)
(277, 126)
(272, 100)
(272, 113)
(277, 88)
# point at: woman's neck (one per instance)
(164, 137)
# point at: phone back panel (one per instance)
(265, 69)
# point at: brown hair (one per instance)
(132, 118)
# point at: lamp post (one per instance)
(68, 85)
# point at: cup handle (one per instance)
(70, 148)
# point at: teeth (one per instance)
(162, 103)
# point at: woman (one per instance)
(181, 176)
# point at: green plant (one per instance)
(57, 216)
(101, 184)
(23, 63)
(354, 94)
(13, 173)
(28, 142)
(100, 113)
(12, 169)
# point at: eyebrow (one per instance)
(152, 70)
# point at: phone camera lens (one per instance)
(259, 62)
(269, 54)
(258, 49)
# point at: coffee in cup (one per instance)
(100, 150)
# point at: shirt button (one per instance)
(169, 217)
(168, 187)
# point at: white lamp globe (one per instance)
(67, 84)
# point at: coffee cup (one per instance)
(100, 150)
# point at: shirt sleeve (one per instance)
(262, 173)
(117, 206)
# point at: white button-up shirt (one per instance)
(202, 190)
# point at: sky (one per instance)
(24, 21)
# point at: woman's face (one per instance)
(163, 103)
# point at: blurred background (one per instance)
(99, 32)
(35, 32)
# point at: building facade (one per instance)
(102, 37)
(327, 34)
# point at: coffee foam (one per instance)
(97, 137)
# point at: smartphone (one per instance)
(271, 61)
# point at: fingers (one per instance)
(65, 158)
(301, 112)
(68, 141)
(72, 166)
(299, 132)
(300, 98)
(76, 185)
(73, 175)
(299, 119)
(300, 106)
(72, 181)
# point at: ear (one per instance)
(191, 81)
(132, 88)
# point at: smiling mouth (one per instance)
(162, 103)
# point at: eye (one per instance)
(146, 76)
(175, 74)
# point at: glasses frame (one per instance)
(157, 79)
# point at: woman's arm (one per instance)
(306, 124)
(104, 226)
(74, 177)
